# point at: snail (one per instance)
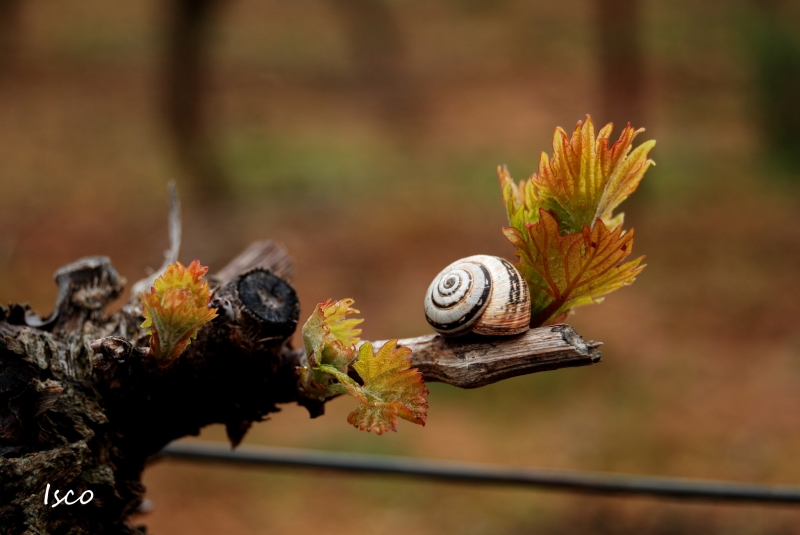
(482, 294)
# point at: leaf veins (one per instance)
(585, 180)
(392, 389)
(566, 272)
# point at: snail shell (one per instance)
(483, 294)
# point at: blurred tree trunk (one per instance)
(9, 32)
(621, 61)
(378, 51)
(775, 49)
(185, 76)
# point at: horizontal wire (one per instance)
(565, 480)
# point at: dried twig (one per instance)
(474, 361)
(171, 254)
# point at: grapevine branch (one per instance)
(475, 361)
(83, 406)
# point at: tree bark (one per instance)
(83, 405)
(10, 35)
(774, 49)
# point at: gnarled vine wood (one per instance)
(83, 407)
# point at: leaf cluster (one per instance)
(330, 337)
(389, 387)
(570, 245)
(175, 309)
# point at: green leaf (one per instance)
(330, 339)
(329, 335)
(392, 389)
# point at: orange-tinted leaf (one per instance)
(391, 388)
(586, 179)
(537, 286)
(564, 272)
(175, 308)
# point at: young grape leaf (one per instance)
(564, 272)
(175, 308)
(391, 388)
(330, 339)
(585, 180)
(522, 200)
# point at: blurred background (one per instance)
(364, 135)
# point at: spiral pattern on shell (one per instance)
(483, 294)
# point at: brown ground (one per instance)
(701, 372)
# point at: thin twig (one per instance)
(171, 254)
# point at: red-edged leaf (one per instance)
(584, 181)
(175, 308)
(564, 272)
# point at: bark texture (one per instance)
(83, 405)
